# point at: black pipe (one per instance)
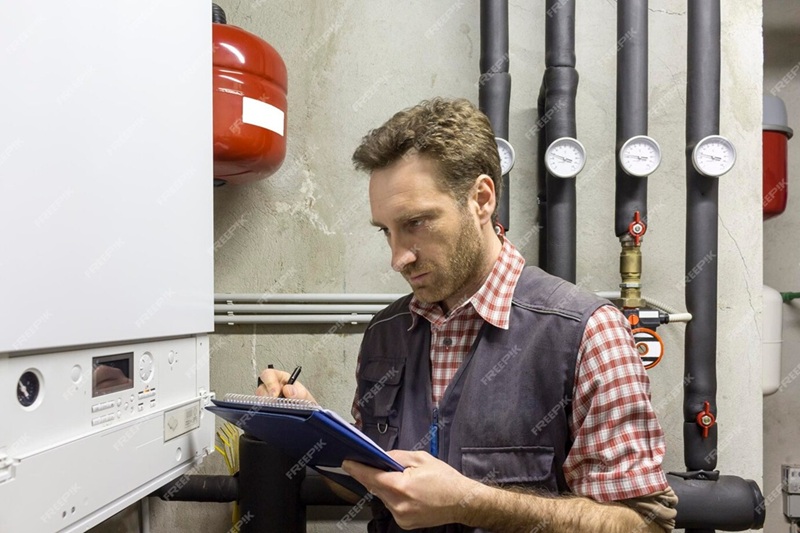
(218, 15)
(269, 484)
(734, 503)
(494, 85)
(729, 503)
(541, 176)
(560, 88)
(315, 491)
(559, 33)
(702, 119)
(632, 40)
(200, 488)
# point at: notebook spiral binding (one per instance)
(268, 401)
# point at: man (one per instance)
(499, 388)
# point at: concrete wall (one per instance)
(354, 63)
(781, 257)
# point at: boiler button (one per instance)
(75, 375)
(141, 407)
(146, 366)
(152, 403)
(171, 357)
(119, 402)
(119, 414)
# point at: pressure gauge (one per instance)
(507, 156)
(713, 156)
(565, 157)
(640, 156)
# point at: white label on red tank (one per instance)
(262, 114)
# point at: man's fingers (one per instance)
(271, 382)
(409, 458)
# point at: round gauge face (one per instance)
(28, 387)
(713, 156)
(507, 156)
(640, 156)
(565, 157)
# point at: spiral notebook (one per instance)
(310, 434)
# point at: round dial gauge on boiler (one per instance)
(640, 156)
(507, 156)
(28, 388)
(713, 156)
(565, 157)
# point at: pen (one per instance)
(295, 375)
(292, 379)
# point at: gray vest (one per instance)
(503, 419)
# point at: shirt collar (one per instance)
(493, 300)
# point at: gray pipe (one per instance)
(494, 86)
(297, 309)
(702, 119)
(632, 40)
(293, 319)
(321, 298)
(560, 88)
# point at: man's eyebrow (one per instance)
(405, 217)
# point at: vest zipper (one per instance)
(435, 433)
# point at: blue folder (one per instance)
(313, 436)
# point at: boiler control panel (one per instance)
(75, 416)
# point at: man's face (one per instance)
(436, 243)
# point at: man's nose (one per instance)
(402, 256)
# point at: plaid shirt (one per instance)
(618, 443)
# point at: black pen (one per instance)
(292, 379)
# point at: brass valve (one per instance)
(630, 264)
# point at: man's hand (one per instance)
(273, 383)
(429, 492)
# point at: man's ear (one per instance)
(485, 198)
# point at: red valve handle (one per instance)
(637, 228)
(706, 419)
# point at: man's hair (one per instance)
(452, 133)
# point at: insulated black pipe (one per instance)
(541, 176)
(702, 119)
(200, 488)
(269, 488)
(729, 503)
(218, 15)
(560, 88)
(559, 33)
(631, 192)
(494, 85)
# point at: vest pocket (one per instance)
(528, 465)
(380, 384)
(384, 435)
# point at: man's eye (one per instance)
(417, 222)
(385, 231)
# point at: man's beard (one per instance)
(463, 266)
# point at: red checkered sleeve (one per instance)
(619, 444)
